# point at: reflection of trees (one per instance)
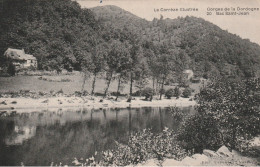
(20, 134)
(6, 129)
(83, 134)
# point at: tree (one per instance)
(169, 93)
(11, 69)
(118, 62)
(186, 92)
(164, 66)
(98, 64)
(234, 106)
(177, 92)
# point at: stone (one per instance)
(150, 162)
(209, 153)
(236, 153)
(188, 161)
(171, 162)
(200, 157)
(224, 151)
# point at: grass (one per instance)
(33, 83)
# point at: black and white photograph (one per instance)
(129, 83)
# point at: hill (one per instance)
(57, 32)
(60, 34)
(206, 48)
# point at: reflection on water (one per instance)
(20, 134)
(40, 138)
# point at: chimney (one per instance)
(23, 50)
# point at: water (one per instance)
(40, 138)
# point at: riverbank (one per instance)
(30, 104)
(221, 157)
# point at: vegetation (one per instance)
(147, 93)
(11, 69)
(177, 92)
(187, 92)
(121, 46)
(169, 93)
(228, 113)
(141, 146)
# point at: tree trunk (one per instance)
(162, 88)
(93, 84)
(84, 81)
(108, 84)
(233, 144)
(153, 85)
(118, 87)
(131, 84)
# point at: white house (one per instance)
(20, 59)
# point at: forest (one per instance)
(116, 44)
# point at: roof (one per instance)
(187, 71)
(18, 54)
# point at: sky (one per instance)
(246, 26)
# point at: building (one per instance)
(188, 74)
(20, 59)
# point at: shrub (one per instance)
(177, 92)
(147, 93)
(79, 94)
(234, 107)
(60, 91)
(187, 92)
(162, 91)
(11, 69)
(140, 147)
(200, 132)
(116, 94)
(169, 93)
(137, 93)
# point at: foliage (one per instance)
(140, 147)
(233, 107)
(177, 92)
(48, 36)
(187, 92)
(11, 69)
(200, 132)
(169, 93)
(147, 92)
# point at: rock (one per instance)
(224, 151)
(209, 153)
(236, 153)
(150, 162)
(187, 161)
(171, 162)
(200, 157)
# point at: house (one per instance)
(20, 59)
(188, 74)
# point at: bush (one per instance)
(187, 92)
(147, 93)
(177, 92)
(79, 94)
(162, 91)
(137, 93)
(234, 107)
(116, 94)
(99, 94)
(169, 93)
(11, 69)
(140, 147)
(60, 91)
(200, 132)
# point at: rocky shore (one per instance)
(26, 104)
(222, 157)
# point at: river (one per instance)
(43, 137)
